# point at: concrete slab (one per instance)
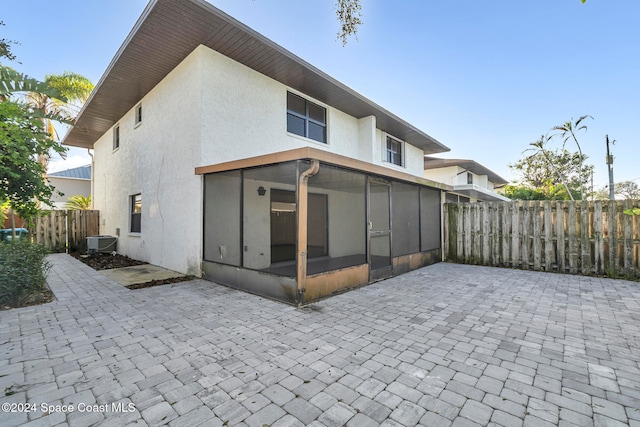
(139, 274)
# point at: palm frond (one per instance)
(11, 81)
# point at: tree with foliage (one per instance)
(549, 175)
(22, 138)
(626, 190)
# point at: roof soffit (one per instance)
(168, 30)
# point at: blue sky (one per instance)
(485, 78)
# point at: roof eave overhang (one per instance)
(168, 30)
(470, 165)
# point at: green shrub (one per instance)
(23, 268)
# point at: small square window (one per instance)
(136, 213)
(139, 114)
(116, 137)
(394, 151)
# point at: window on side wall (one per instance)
(306, 119)
(138, 114)
(136, 213)
(469, 178)
(394, 151)
(116, 137)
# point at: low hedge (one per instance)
(23, 269)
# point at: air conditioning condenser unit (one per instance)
(97, 244)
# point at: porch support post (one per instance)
(301, 246)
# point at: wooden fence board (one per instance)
(561, 244)
(536, 236)
(485, 233)
(598, 245)
(496, 216)
(548, 236)
(515, 236)
(627, 232)
(506, 234)
(584, 225)
(525, 231)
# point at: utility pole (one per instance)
(610, 167)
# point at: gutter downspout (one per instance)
(303, 204)
(92, 170)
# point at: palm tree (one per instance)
(75, 90)
(568, 131)
(78, 203)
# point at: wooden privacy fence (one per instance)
(586, 237)
(56, 228)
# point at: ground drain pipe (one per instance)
(303, 204)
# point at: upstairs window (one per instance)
(136, 213)
(469, 178)
(306, 119)
(394, 151)
(116, 137)
(138, 114)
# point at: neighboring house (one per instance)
(220, 154)
(471, 181)
(70, 182)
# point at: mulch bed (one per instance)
(104, 261)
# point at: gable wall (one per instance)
(157, 159)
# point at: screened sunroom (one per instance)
(301, 225)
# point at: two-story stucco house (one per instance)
(471, 181)
(220, 154)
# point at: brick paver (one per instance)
(444, 345)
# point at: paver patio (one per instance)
(444, 345)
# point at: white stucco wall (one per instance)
(208, 110)
(68, 187)
(455, 175)
(157, 159)
(244, 115)
(448, 175)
